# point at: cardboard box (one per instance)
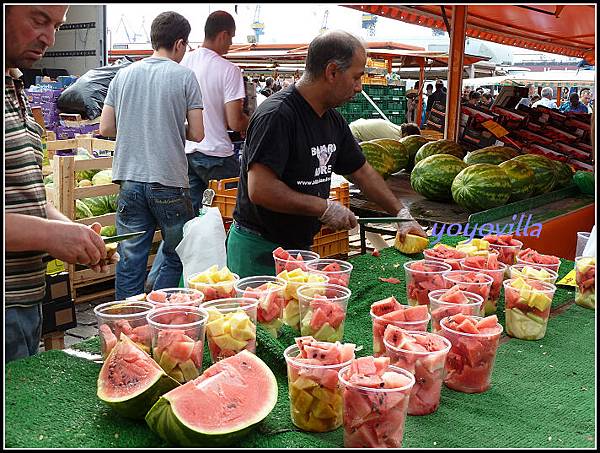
(58, 308)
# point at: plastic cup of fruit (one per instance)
(461, 279)
(269, 291)
(338, 271)
(214, 291)
(178, 340)
(291, 309)
(127, 317)
(175, 296)
(453, 262)
(440, 309)
(491, 304)
(518, 270)
(585, 276)
(315, 393)
(291, 264)
(527, 311)
(374, 417)
(507, 254)
(420, 282)
(470, 362)
(552, 267)
(379, 325)
(231, 326)
(428, 370)
(323, 310)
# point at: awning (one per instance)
(554, 79)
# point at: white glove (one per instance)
(338, 217)
(411, 227)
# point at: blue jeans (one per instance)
(143, 207)
(22, 331)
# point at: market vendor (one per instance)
(295, 141)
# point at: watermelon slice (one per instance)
(410, 318)
(530, 256)
(290, 260)
(175, 296)
(450, 302)
(446, 254)
(496, 270)
(470, 281)
(422, 277)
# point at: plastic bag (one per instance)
(371, 129)
(86, 96)
(203, 243)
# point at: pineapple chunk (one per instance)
(411, 244)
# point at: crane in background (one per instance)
(368, 23)
(257, 25)
(324, 24)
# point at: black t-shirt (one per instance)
(437, 95)
(303, 150)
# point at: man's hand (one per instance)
(338, 216)
(411, 227)
(103, 265)
(75, 243)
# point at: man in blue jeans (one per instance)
(146, 107)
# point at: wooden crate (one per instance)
(64, 195)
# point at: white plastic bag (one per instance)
(203, 243)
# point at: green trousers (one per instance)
(249, 254)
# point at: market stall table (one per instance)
(542, 392)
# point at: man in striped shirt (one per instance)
(33, 227)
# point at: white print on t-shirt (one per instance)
(323, 153)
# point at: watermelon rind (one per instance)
(442, 146)
(543, 169)
(379, 158)
(480, 187)
(136, 403)
(163, 417)
(432, 177)
(490, 155)
(397, 150)
(522, 179)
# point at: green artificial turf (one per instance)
(542, 392)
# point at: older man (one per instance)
(547, 99)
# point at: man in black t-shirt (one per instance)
(295, 141)
(437, 95)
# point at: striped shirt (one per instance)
(24, 192)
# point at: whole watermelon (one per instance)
(397, 150)
(432, 177)
(379, 158)
(543, 169)
(413, 143)
(480, 187)
(564, 174)
(439, 147)
(490, 155)
(521, 177)
(585, 181)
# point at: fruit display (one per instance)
(522, 179)
(490, 155)
(530, 256)
(470, 362)
(424, 355)
(314, 390)
(480, 187)
(533, 272)
(269, 291)
(564, 174)
(544, 171)
(527, 306)
(471, 281)
(446, 254)
(220, 407)
(412, 143)
(178, 340)
(432, 177)
(175, 296)
(214, 283)
(507, 247)
(474, 247)
(448, 302)
(130, 382)
(494, 268)
(382, 161)
(376, 397)
(421, 277)
(294, 280)
(288, 260)
(391, 312)
(397, 150)
(323, 311)
(337, 271)
(128, 317)
(585, 276)
(439, 147)
(412, 244)
(231, 326)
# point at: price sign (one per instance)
(495, 128)
(569, 279)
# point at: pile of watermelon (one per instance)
(175, 296)
(490, 155)
(294, 280)
(315, 394)
(491, 266)
(527, 306)
(322, 317)
(390, 311)
(397, 150)
(442, 146)
(530, 256)
(421, 277)
(472, 282)
(448, 302)
(585, 276)
(380, 158)
(179, 353)
(376, 397)
(271, 300)
(338, 271)
(423, 355)
(507, 247)
(480, 187)
(432, 177)
(445, 253)
(230, 330)
(286, 261)
(471, 358)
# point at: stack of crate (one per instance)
(391, 100)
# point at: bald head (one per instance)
(336, 47)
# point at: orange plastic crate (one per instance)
(225, 195)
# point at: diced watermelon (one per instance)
(418, 313)
(384, 306)
(487, 322)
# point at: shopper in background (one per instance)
(486, 100)
(268, 89)
(437, 96)
(296, 140)
(412, 103)
(547, 99)
(474, 98)
(535, 98)
(146, 108)
(409, 129)
(528, 101)
(573, 106)
(428, 92)
(585, 97)
(33, 227)
(465, 94)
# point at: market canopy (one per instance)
(554, 79)
(560, 29)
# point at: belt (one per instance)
(245, 229)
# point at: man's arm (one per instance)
(55, 214)
(195, 125)
(108, 122)
(237, 120)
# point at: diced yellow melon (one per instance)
(216, 327)
(302, 401)
(539, 300)
(213, 314)
(228, 342)
(411, 244)
(518, 283)
(303, 383)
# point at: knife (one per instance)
(382, 219)
(122, 237)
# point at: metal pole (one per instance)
(455, 71)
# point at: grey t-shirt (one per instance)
(151, 98)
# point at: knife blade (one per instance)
(122, 237)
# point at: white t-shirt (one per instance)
(544, 102)
(220, 82)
